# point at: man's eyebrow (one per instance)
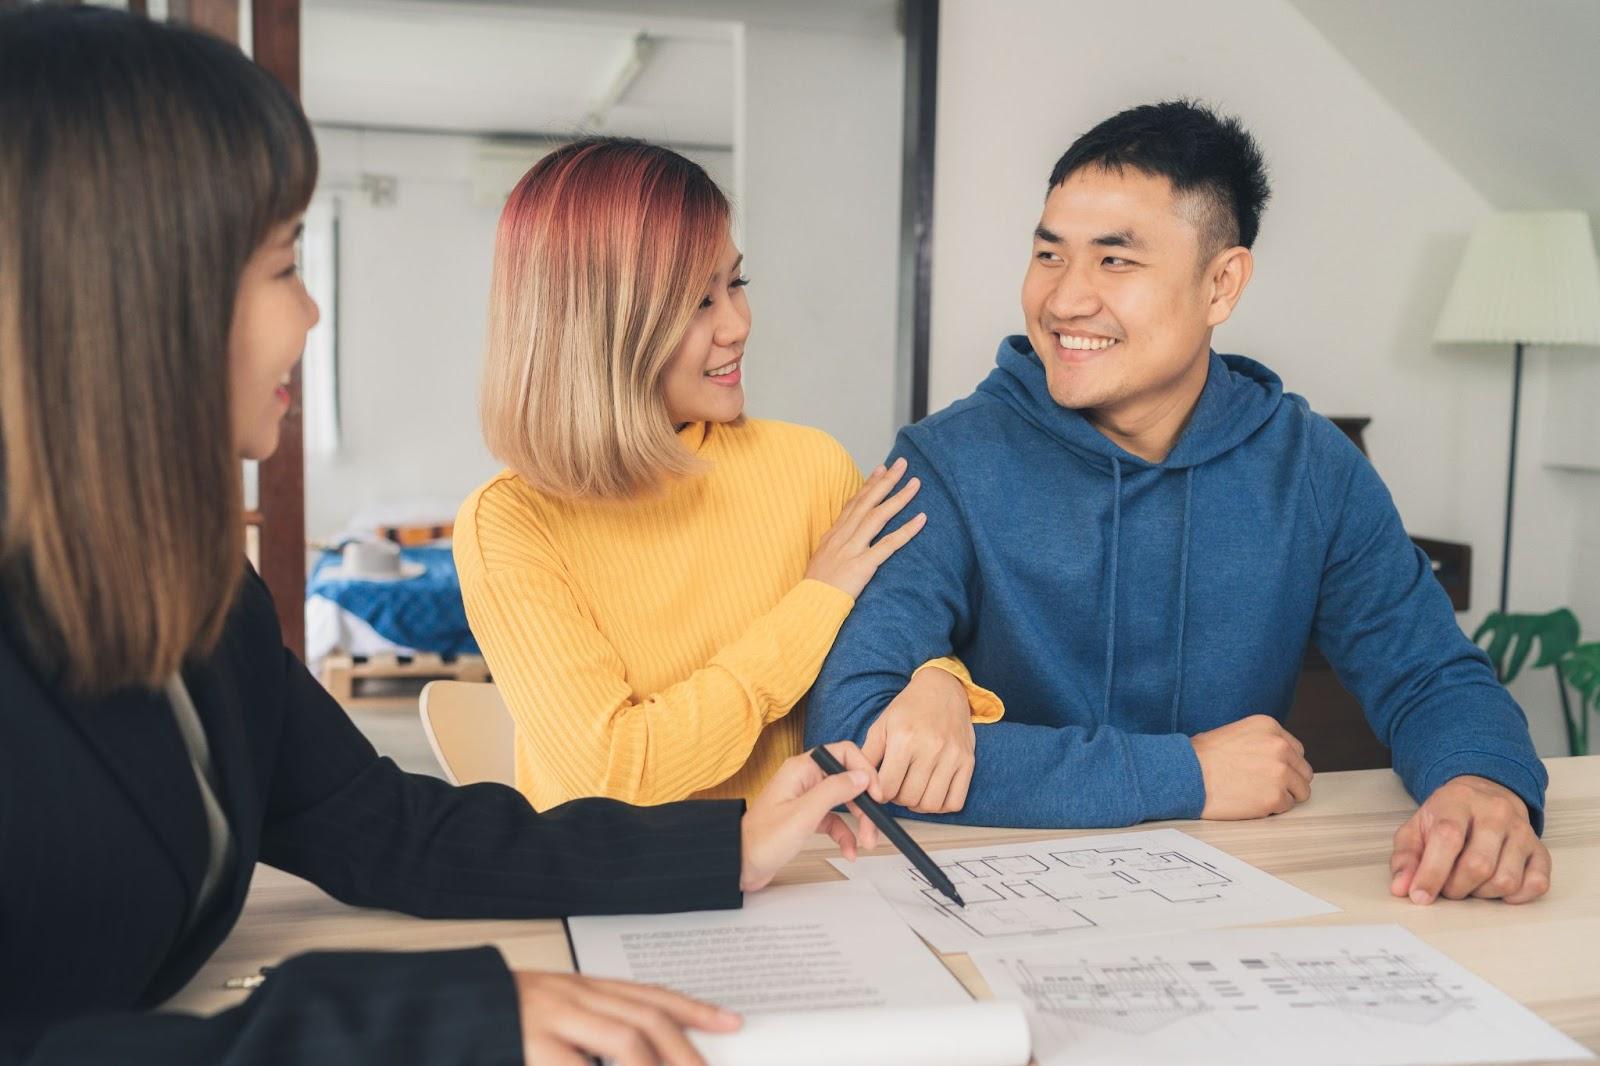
(1048, 236)
(300, 228)
(1121, 239)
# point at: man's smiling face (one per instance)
(1117, 297)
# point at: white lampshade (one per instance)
(1528, 276)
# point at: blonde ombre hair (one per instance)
(602, 256)
(144, 165)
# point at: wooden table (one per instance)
(1546, 955)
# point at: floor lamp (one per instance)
(1528, 277)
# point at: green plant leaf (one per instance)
(1556, 633)
(1581, 668)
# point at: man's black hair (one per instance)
(1204, 155)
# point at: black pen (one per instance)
(891, 829)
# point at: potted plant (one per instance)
(1511, 641)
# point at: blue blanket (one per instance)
(424, 612)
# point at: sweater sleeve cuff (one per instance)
(1527, 783)
(782, 653)
(986, 705)
(1166, 776)
(822, 600)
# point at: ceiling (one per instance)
(1508, 92)
(515, 69)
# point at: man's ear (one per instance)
(1226, 277)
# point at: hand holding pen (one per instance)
(799, 801)
(866, 804)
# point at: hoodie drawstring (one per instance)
(1116, 544)
(1183, 590)
(1183, 597)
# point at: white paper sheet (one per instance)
(797, 947)
(972, 1034)
(821, 972)
(1070, 890)
(1331, 994)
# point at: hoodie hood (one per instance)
(1239, 397)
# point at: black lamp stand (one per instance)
(1511, 477)
(1511, 488)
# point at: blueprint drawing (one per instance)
(1329, 994)
(1075, 889)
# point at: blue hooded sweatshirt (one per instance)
(1120, 606)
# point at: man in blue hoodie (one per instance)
(1132, 539)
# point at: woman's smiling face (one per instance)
(272, 314)
(702, 382)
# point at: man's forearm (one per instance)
(1468, 729)
(1045, 777)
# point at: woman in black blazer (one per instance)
(156, 740)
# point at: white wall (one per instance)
(414, 292)
(1507, 92)
(1356, 252)
(1572, 448)
(819, 148)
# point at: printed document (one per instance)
(1312, 996)
(821, 972)
(1071, 890)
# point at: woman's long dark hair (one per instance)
(142, 165)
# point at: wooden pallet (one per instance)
(342, 674)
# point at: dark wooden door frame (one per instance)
(919, 20)
(275, 35)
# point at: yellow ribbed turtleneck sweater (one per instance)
(652, 650)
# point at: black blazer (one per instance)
(103, 848)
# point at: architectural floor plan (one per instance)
(1370, 994)
(1070, 890)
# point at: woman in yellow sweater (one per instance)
(655, 580)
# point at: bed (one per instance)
(414, 627)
